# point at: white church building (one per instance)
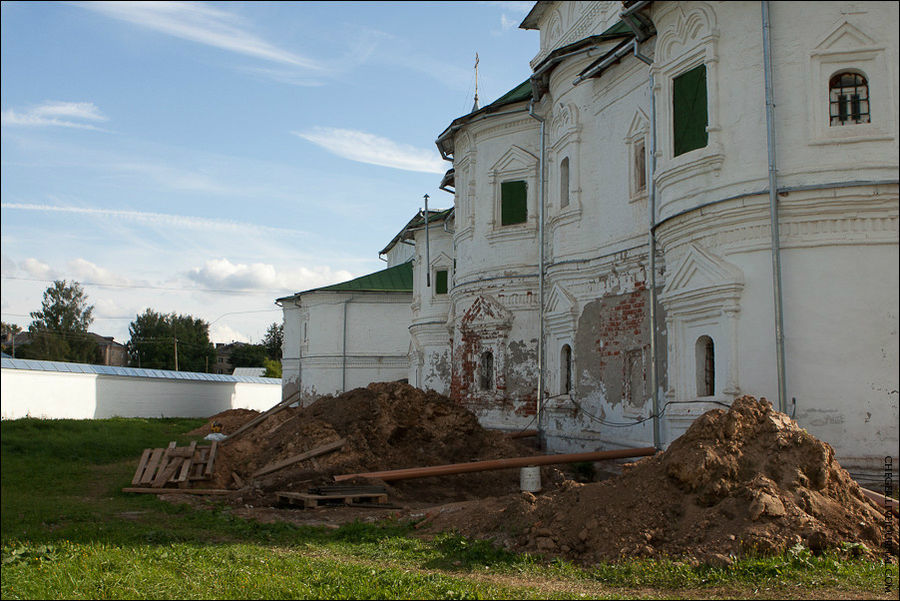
(724, 171)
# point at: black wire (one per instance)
(640, 421)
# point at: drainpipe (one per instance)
(344, 349)
(773, 209)
(651, 244)
(540, 399)
(427, 249)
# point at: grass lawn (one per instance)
(69, 532)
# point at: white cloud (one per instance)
(506, 23)
(76, 110)
(158, 219)
(364, 147)
(84, 270)
(37, 269)
(202, 24)
(219, 332)
(56, 113)
(223, 274)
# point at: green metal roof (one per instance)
(393, 279)
(517, 94)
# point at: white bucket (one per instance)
(530, 479)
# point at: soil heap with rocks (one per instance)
(386, 425)
(742, 481)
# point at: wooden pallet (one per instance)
(174, 465)
(310, 501)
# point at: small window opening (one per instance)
(564, 183)
(566, 369)
(440, 281)
(640, 166)
(706, 366)
(486, 371)
(689, 110)
(848, 99)
(513, 202)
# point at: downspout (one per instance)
(773, 209)
(427, 249)
(344, 349)
(651, 251)
(540, 365)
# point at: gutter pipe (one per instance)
(773, 209)
(618, 54)
(540, 366)
(427, 249)
(651, 252)
(344, 349)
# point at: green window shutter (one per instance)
(513, 202)
(689, 110)
(440, 281)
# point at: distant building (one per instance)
(109, 352)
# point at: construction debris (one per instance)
(352, 496)
(175, 465)
(745, 480)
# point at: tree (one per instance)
(9, 331)
(154, 338)
(273, 368)
(273, 340)
(248, 355)
(59, 331)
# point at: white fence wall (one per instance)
(58, 395)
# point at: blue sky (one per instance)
(207, 158)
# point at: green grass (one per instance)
(69, 532)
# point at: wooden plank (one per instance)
(199, 461)
(180, 491)
(152, 464)
(173, 465)
(327, 448)
(264, 416)
(209, 461)
(145, 457)
(186, 465)
(310, 501)
(237, 480)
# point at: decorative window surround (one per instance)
(702, 298)
(848, 48)
(636, 140)
(565, 141)
(693, 41)
(515, 164)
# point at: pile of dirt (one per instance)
(386, 425)
(229, 421)
(747, 480)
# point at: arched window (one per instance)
(640, 166)
(848, 98)
(486, 371)
(706, 366)
(565, 369)
(564, 183)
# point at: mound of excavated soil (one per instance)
(386, 426)
(230, 420)
(746, 480)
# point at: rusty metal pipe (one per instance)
(497, 464)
